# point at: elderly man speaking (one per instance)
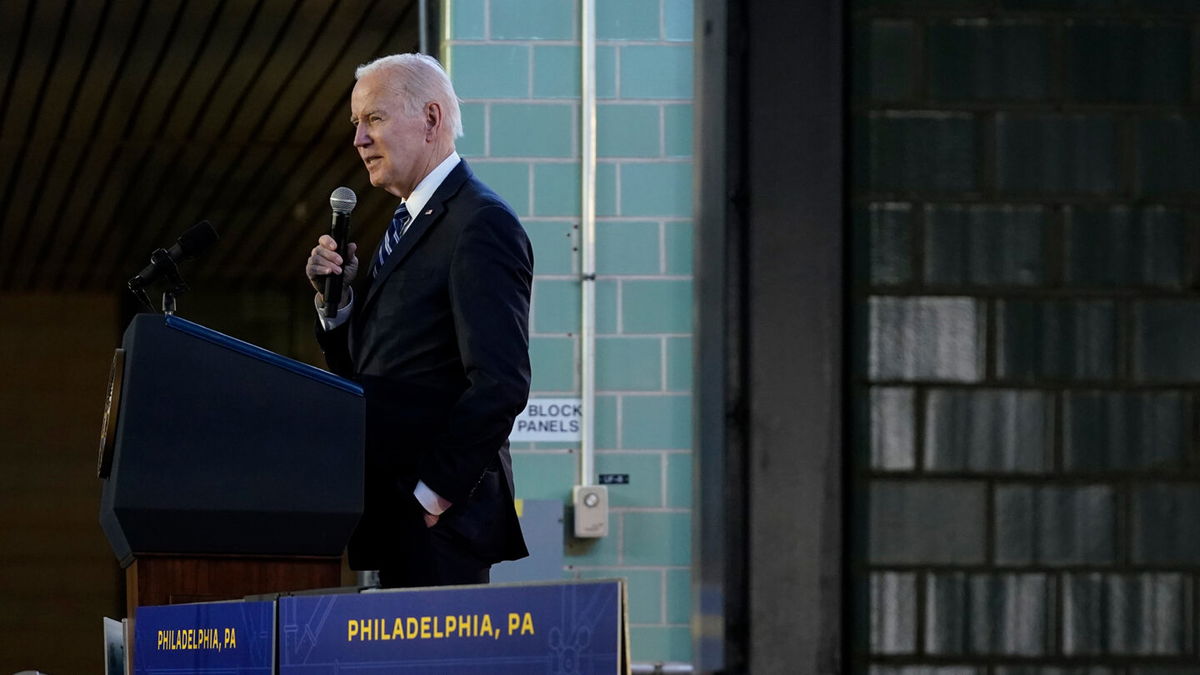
(435, 326)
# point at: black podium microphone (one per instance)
(192, 243)
(342, 201)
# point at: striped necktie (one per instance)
(400, 223)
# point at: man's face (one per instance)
(395, 147)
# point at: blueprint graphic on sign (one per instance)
(556, 629)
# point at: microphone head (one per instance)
(343, 200)
(197, 239)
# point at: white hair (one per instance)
(420, 79)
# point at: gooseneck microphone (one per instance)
(196, 240)
(342, 201)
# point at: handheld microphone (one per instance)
(190, 244)
(342, 201)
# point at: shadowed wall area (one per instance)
(1025, 181)
(57, 574)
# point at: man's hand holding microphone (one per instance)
(327, 270)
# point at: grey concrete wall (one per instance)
(1025, 177)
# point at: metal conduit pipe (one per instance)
(587, 244)
(423, 26)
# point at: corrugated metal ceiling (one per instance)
(124, 122)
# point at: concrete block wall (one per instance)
(516, 65)
(1027, 336)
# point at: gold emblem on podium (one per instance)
(112, 405)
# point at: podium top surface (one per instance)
(254, 351)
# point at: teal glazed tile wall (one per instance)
(516, 65)
(1025, 184)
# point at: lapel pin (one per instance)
(429, 212)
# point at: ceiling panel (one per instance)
(124, 122)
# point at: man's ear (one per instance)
(433, 120)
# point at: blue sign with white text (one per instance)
(229, 638)
(567, 629)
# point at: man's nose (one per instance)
(361, 138)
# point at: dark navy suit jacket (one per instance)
(440, 343)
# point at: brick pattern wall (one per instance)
(1025, 182)
(515, 63)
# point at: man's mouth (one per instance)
(372, 158)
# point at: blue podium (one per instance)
(227, 470)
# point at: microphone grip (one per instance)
(340, 231)
(152, 271)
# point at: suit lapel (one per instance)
(422, 223)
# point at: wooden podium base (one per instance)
(173, 579)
